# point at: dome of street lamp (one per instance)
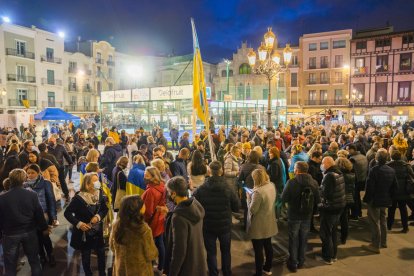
(251, 56)
(287, 54)
(269, 39)
(262, 52)
(276, 57)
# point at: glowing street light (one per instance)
(134, 71)
(61, 34)
(6, 19)
(81, 73)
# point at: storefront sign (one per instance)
(107, 96)
(172, 92)
(122, 96)
(140, 94)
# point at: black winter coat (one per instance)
(79, 211)
(108, 159)
(218, 202)
(246, 173)
(349, 178)
(332, 191)
(381, 186)
(315, 171)
(274, 170)
(60, 153)
(402, 171)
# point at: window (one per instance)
(382, 63)
(72, 84)
(312, 78)
(51, 99)
(381, 92)
(20, 47)
(73, 101)
(312, 63)
(338, 77)
(359, 89)
(323, 94)
(313, 46)
(98, 86)
(230, 73)
(408, 39)
(248, 92)
(312, 96)
(382, 42)
(339, 61)
(324, 62)
(110, 86)
(339, 44)
(110, 73)
(87, 102)
(50, 77)
(223, 73)
(245, 69)
(21, 94)
(293, 97)
(281, 80)
(265, 93)
(98, 71)
(338, 96)
(405, 61)
(98, 55)
(294, 79)
(49, 54)
(360, 62)
(240, 92)
(404, 91)
(72, 67)
(324, 45)
(360, 45)
(324, 78)
(294, 60)
(21, 73)
(110, 58)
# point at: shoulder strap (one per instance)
(117, 181)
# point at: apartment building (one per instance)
(382, 75)
(325, 59)
(31, 69)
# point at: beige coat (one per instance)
(51, 174)
(135, 258)
(261, 220)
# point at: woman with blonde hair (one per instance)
(155, 197)
(160, 165)
(315, 147)
(261, 211)
(400, 143)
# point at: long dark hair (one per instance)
(128, 215)
(198, 167)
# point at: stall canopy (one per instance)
(376, 113)
(54, 114)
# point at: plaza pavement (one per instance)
(397, 259)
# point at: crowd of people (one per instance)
(163, 213)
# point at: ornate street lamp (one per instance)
(356, 97)
(269, 65)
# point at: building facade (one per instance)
(324, 71)
(382, 76)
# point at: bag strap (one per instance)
(117, 181)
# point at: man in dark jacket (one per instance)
(332, 192)
(24, 154)
(161, 140)
(45, 155)
(314, 164)
(219, 202)
(20, 216)
(380, 188)
(111, 154)
(186, 232)
(179, 166)
(174, 138)
(360, 165)
(299, 215)
(60, 153)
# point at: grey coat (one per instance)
(261, 220)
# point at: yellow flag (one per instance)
(200, 103)
(26, 103)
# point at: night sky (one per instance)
(160, 27)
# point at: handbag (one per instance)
(120, 194)
(56, 191)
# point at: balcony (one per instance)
(51, 104)
(87, 88)
(381, 69)
(388, 104)
(326, 102)
(51, 59)
(21, 78)
(24, 54)
(51, 82)
(16, 102)
(73, 87)
(99, 60)
(76, 108)
(110, 63)
(311, 66)
(361, 70)
(317, 81)
(324, 65)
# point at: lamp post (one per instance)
(355, 97)
(269, 65)
(228, 62)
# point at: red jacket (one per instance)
(154, 195)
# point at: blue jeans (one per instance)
(159, 243)
(225, 244)
(298, 236)
(328, 234)
(11, 245)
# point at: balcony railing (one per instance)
(382, 69)
(51, 59)
(317, 81)
(99, 60)
(361, 70)
(397, 103)
(311, 66)
(51, 82)
(87, 88)
(326, 102)
(76, 108)
(110, 63)
(24, 54)
(21, 78)
(16, 102)
(51, 104)
(72, 87)
(324, 65)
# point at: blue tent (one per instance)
(54, 114)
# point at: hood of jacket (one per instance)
(333, 169)
(304, 178)
(117, 147)
(139, 166)
(191, 210)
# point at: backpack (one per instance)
(307, 200)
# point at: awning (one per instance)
(54, 114)
(376, 113)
